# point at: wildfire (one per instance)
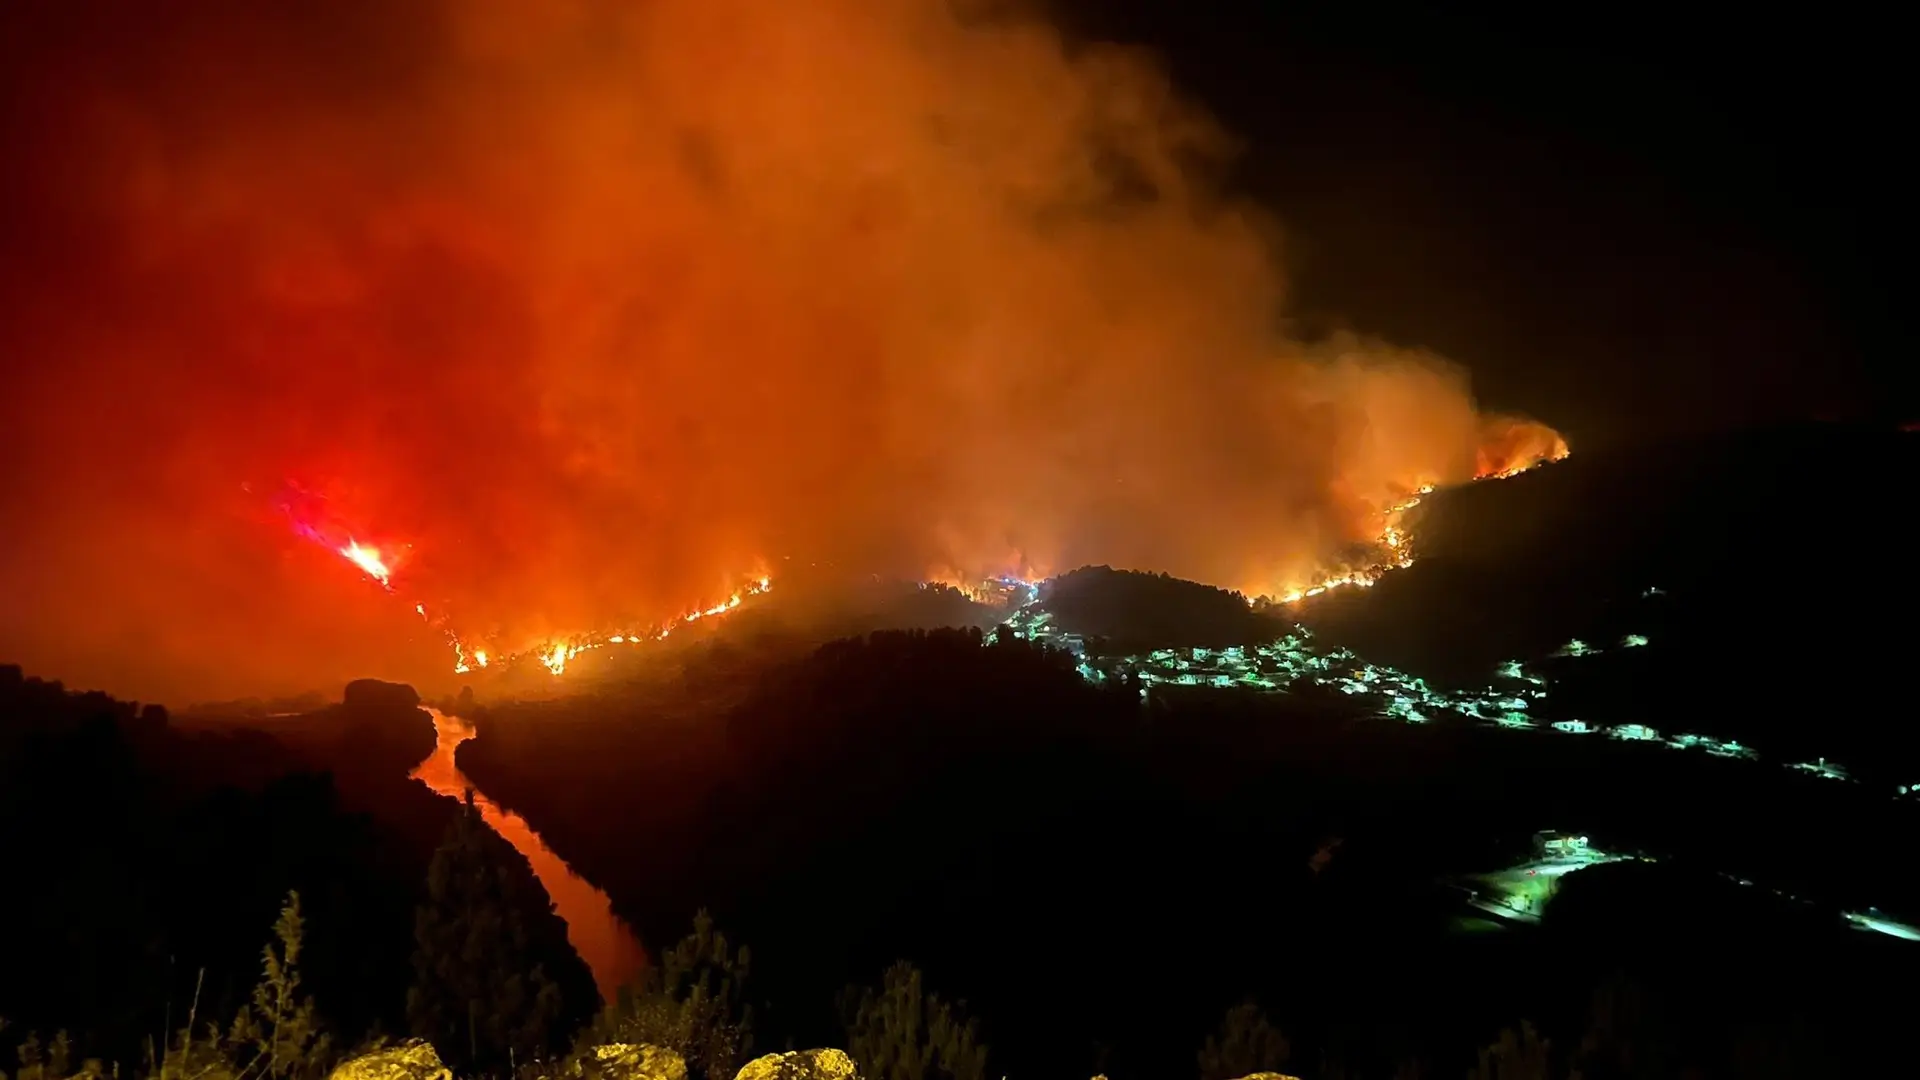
(312, 520)
(1395, 543)
(556, 655)
(1514, 447)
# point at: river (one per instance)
(602, 939)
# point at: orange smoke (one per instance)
(1511, 445)
(596, 302)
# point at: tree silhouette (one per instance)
(1521, 1055)
(1245, 1043)
(904, 1033)
(692, 1002)
(278, 1029)
(495, 981)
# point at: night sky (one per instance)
(1625, 222)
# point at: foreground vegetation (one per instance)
(688, 1018)
(1136, 894)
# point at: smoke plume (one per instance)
(583, 306)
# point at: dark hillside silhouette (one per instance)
(150, 852)
(1764, 571)
(1663, 982)
(1131, 611)
(981, 809)
(828, 608)
(1099, 878)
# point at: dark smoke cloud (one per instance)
(598, 305)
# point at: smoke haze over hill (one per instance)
(584, 308)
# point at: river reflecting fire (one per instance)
(601, 938)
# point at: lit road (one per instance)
(1883, 926)
(1520, 894)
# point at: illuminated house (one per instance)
(1559, 845)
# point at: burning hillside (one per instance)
(572, 314)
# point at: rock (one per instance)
(800, 1065)
(374, 696)
(633, 1061)
(413, 1060)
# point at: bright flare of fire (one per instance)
(369, 560)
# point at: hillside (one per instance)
(1762, 571)
(165, 850)
(1129, 611)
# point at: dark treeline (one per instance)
(129, 833)
(1090, 882)
(1438, 789)
(152, 856)
(1099, 879)
(821, 606)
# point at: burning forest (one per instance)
(377, 342)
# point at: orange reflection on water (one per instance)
(601, 938)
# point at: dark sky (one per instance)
(1625, 223)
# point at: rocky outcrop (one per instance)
(374, 696)
(409, 1061)
(630, 1061)
(378, 728)
(416, 1060)
(800, 1065)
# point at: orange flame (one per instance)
(1513, 447)
(556, 655)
